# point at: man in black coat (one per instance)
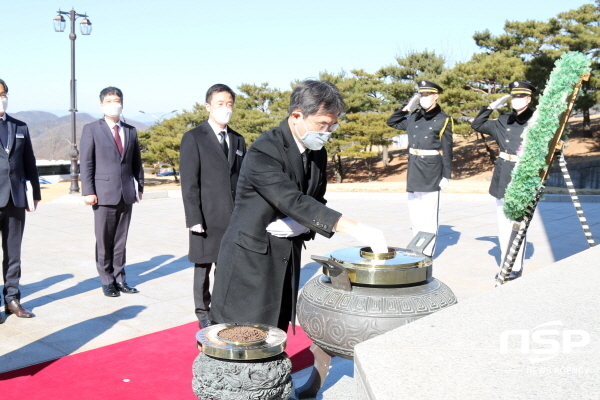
(429, 131)
(17, 165)
(280, 204)
(211, 157)
(112, 179)
(506, 131)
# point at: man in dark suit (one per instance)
(17, 165)
(211, 157)
(112, 179)
(280, 204)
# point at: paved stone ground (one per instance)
(60, 284)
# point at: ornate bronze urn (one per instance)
(361, 295)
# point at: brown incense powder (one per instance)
(242, 334)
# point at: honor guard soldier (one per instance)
(506, 131)
(429, 132)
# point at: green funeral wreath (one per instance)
(540, 130)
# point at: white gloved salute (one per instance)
(412, 104)
(501, 102)
(444, 183)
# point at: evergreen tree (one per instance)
(540, 44)
(162, 141)
(257, 109)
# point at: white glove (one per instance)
(370, 236)
(501, 102)
(286, 227)
(444, 183)
(412, 103)
(197, 228)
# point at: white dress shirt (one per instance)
(121, 130)
(218, 130)
(299, 143)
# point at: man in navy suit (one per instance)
(112, 179)
(17, 165)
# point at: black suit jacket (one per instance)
(506, 131)
(104, 172)
(431, 130)
(208, 184)
(18, 165)
(252, 263)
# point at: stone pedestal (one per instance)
(533, 338)
(265, 379)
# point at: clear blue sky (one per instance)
(165, 54)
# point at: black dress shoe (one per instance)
(125, 288)
(110, 290)
(205, 323)
(14, 307)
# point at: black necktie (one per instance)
(224, 143)
(306, 163)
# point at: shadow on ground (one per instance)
(138, 273)
(71, 339)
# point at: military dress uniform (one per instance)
(430, 160)
(506, 130)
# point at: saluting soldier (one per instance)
(506, 131)
(429, 131)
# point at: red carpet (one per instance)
(158, 366)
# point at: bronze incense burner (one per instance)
(361, 295)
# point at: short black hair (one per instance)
(4, 84)
(312, 97)
(219, 87)
(111, 90)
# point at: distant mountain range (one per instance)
(51, 134)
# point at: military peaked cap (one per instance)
(521, 87)
(429, 87)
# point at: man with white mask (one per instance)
(506, 130)
(429, 131)
(210, 159)
(112, 179)
(280, 204)
(17, 164)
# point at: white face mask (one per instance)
(112, 110)
(314, 140)
(222, 114)
(518, 103)
(3, 105)
(426, 102)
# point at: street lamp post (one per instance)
(158, 120)
(86, 28)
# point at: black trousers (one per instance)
(111, 225)
(12, 224)
(202, 290)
